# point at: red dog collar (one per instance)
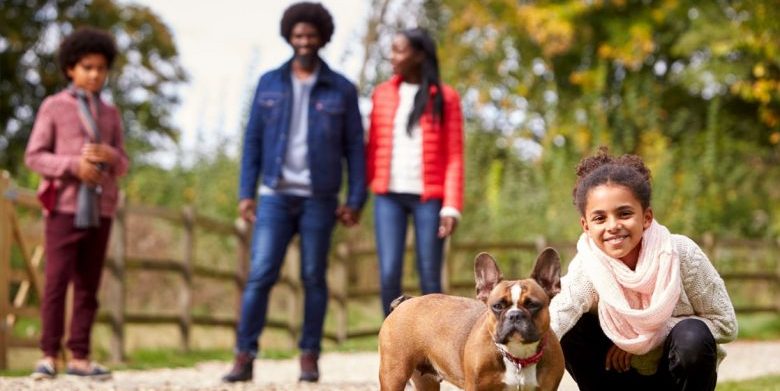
(530, 360)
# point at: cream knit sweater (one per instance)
(703, 297)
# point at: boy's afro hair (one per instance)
(314, 13)
(82, 42)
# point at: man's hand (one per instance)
(246, 209)
(447, 226)
(347, 216)
(88, 172)
(99, 153)
(618, 359)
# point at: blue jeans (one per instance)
(391, 213)
(279, 218)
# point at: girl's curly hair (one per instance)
(82, 42)
(602, 168)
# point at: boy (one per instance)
(77, 146)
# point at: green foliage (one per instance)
(142, 82)
(210, 185)
(760, 384)
(764, 326)
(693, 88)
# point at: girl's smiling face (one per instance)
(615, 220)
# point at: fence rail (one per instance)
(344, 268)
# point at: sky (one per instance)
(225, 46)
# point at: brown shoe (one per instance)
(309, 369)
(242, 369)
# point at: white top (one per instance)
(406, 163)
(703, 296)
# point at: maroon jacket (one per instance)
(55, 146)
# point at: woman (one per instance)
(415, 163)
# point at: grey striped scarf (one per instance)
(88, 200)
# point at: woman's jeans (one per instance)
(391, 212)
(279, 218)
(688, 362)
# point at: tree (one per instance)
(142, 82)
(693, 87)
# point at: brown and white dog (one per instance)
(501, 341)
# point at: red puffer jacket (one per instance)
(442, 149)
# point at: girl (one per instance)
(640, 308)
(414, 162)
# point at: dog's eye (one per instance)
(498, 307)
(532, 305)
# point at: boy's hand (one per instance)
(618, 359)
(99, 153)
(89, 172)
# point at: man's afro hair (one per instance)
(314, 13)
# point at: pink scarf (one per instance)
(635, 305)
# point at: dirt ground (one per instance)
(343, 371)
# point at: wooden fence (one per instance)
(352, 273)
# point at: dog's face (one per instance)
(519, 308)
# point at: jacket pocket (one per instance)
(330, 107)
(269, 105)
(331, 115)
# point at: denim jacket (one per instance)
(335, 133)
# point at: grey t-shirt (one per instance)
(296, 176)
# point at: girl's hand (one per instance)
(618, 359)
(99, 153)
(447, 226)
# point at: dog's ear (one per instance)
(547, 271)
(486, 275)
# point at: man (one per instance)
(304, 122)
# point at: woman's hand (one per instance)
(618, 359)
(347, 216)
(447, 226)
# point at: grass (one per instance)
(170, 358)
(165, 358)
(766, 383)
(763, 326)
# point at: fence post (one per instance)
(116, 287)
(446, 272)
(243, 239)
(708, 242)
(292, 271)
(185, 320)
(341, 277)
(5, 266)
(777, 281)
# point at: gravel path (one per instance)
(343, 371)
